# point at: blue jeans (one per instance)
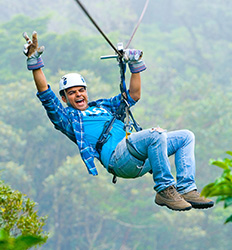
(156, 147)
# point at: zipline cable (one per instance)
(106, 38)
(98, 28)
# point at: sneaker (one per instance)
(196, 200)
(170, 198)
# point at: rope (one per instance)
(136, 27)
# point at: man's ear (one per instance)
(64, 99)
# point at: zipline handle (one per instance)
(108, 57)
(119, 56)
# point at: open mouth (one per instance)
(80, 101)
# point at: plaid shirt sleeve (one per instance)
(86, 150)
(56, 112)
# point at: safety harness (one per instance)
(123, 113)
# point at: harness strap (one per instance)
(104, 135)
(120, 114)
(134, 152)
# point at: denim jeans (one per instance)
(156, 147)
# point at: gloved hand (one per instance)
(33, 52)
(133, 57)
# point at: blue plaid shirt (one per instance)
(70, 122)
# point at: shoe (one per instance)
(197, 201)
(170, 198)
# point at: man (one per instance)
(144, 151)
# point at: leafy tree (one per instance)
(17, 213)
(21, 242)
(222, 186)
(21, 227)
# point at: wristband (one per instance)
(35, 62)
(137, 67)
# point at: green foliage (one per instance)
(21, 242)
(222, 186)
(18, 215)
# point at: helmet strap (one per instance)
(66, 97)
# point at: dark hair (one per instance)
(62, 93)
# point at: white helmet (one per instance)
(71, 80)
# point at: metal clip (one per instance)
(120, 46)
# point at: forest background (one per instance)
(188, 52)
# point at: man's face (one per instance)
(77, 97)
